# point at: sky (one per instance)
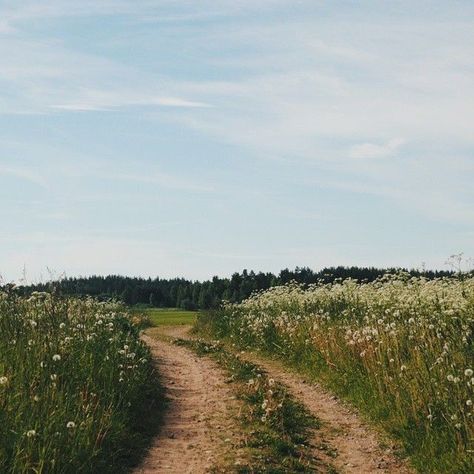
(198, 138)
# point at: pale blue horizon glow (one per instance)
(182, 138)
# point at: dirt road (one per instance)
(199, 429)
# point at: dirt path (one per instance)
(198, 428)
(358, 448)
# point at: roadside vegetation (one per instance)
(75, 382)
(275, 428)
(400, 348)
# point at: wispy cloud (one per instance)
(373, 150)
(164, 180)
(121, 100)
(25, 174)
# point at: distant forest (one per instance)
(189, 295)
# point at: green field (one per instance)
(168, 316)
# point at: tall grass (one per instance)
(401, 348)
(73, 373)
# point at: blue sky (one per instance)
(200, 138)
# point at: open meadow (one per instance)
(401, 349)
(276, 377)
(165, 316)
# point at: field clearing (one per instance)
(168, 316)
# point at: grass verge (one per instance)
(74, 381)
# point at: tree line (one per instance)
(190, 295)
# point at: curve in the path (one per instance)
(197, 426)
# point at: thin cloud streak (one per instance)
(24, 174)
(164, 180)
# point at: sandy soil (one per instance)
(198, 429)
(200, 413)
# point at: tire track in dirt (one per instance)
(358, 448)
(198, 430)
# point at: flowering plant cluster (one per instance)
(71, 371)
(400, 347)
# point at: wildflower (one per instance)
(31, 434)
(70, 425)
(468, 373)
(53, 377)
(3, 380)
(469, 403)
(62, 326)
(56, 357)
(450, 378)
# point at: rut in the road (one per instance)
(198, 429)
(358, 448)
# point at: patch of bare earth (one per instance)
(198, 429)
(357, 448)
